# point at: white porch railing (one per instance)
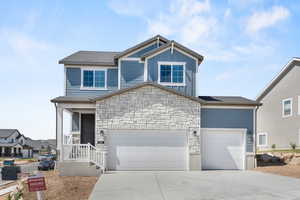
(84, 153)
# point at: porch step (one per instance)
(74, 168)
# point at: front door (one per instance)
(87, 134)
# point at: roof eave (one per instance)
(277, 78)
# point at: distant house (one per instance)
(13, 144)
(278, 119)
(42, 146)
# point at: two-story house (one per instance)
(138, 110)
(13, 144)
(278, 120)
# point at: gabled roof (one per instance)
(175, 44)
(142, 44)
(228, 100)
(147, 84)
(5, 133)
(286, 69)
(90, 58)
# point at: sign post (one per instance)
(37, 184)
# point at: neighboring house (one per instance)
(140, 106)
(40, 147)
(13, 144)
(278, 119)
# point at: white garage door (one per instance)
(223, 148)
(144, 150)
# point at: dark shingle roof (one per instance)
(72, 99)
(228, 100)
(179, 46)
(90, 58)
(131, 49)
(4, 133)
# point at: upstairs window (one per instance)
(171, 73)
(93, 79)
(287, 106)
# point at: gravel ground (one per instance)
(62, 187)
(285, 170)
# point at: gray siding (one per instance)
(132, 73)
(190, 88)
(73, 82)
(281, 130)
(145, 50)
(229, 118)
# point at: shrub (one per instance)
(293, 145)
(273, 146)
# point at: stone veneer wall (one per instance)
(150, 108)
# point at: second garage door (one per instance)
(144, 150)
(223, 148)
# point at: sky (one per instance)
(245, 43)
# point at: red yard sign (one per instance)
(36, 183)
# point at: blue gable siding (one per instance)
(145, 50)
(229, 118)
(176, 56)
(132, 73)
(73, 82)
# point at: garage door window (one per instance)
(262, 139)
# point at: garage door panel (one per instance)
(223, 149)
(147, 151)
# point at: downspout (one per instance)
(255, 142)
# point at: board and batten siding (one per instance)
(145, 50)
(176, 56)
(230, 118)
(132, 73)
(73, 83)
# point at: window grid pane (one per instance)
(287, 107)
(177, 74)
(99, 79)
(88, 78)
(165, 73)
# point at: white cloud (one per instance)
(265, 19)
(189, 20)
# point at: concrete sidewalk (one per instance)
(212, 185)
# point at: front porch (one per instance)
(10, 150)
(77, 153)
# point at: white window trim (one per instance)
(94, 88)
(171, 83)
(262, 145)
(282, 104)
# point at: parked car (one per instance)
(46, 164)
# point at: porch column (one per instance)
(3, 151)
(12, 151)
(59, 131)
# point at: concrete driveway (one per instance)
(205, 185)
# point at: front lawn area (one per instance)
(281, 151)
(64, 187)
(284, 170)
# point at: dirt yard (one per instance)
(60, 188)
(284, 170)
